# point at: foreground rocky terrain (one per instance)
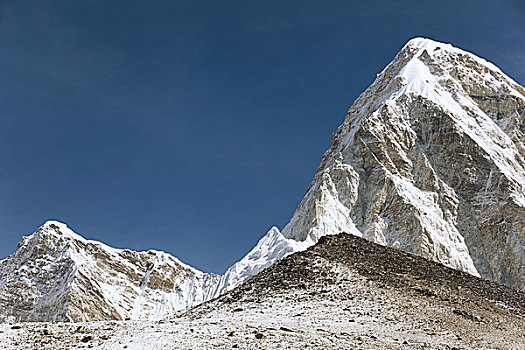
(343, 293)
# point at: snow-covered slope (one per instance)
(268, 250)
(430, 159)
(57, 275)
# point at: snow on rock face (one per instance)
(272, 247)
(56, 275)
(430, 159)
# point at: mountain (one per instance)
(430, 159)
(343, 293)
(57, 275)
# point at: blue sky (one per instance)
(195, 126)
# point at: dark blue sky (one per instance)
(194, 126)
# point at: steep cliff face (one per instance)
(56, 275)
(429, 159)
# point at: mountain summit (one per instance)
(429, 159)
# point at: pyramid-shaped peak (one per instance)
(439, 72)
(420, 47)
(417, 46)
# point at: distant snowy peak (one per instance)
(429, 159)
(57, 275)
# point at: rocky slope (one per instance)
(430, 159)
(343, 293)
(56, 275)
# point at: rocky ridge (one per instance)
(57, 275)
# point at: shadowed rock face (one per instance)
(430, 159)
(56, 275)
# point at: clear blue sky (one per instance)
(194, 126)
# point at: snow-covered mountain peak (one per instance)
(55, 225)
(56, 274)
(52, 229)
(53, 238)
(419, 44)
(447, 61)
(423, 43)
(440, 72)
(429, 159)
(436, 48)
